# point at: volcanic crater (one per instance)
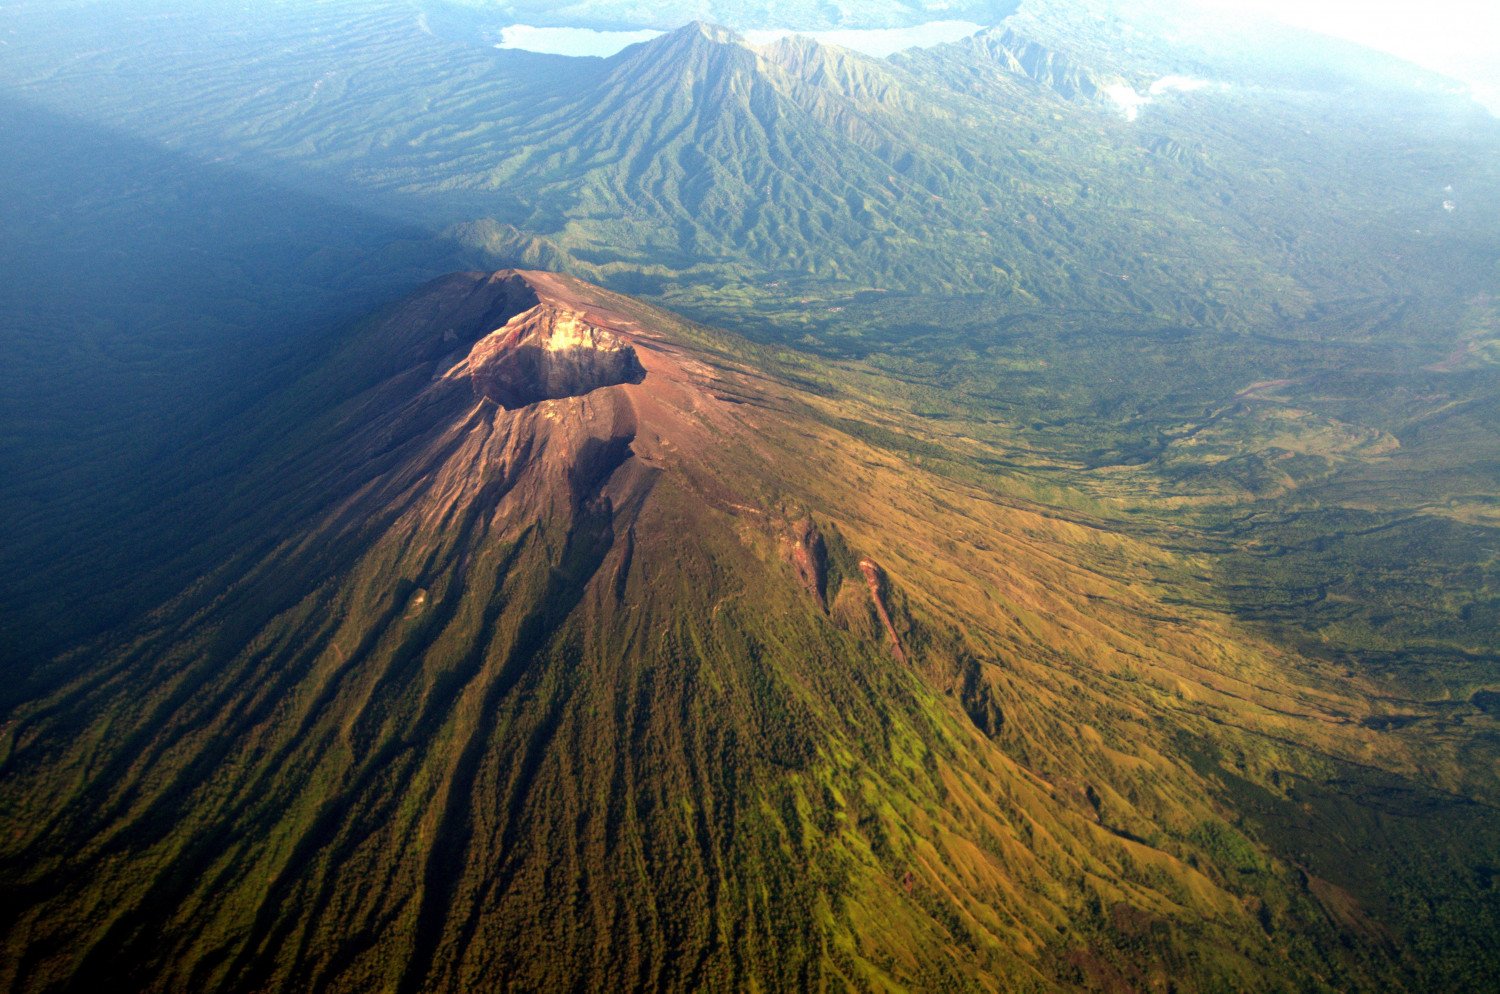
(549, 352)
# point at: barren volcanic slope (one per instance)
(588, 653)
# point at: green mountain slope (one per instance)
(666, 685)
(698, 169)
(1168, 441)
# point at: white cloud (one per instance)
(1130, 102)
(1179, 84)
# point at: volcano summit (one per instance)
(588, 644)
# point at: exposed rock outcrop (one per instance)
(875, 580)
(809, 557)
(549, 352)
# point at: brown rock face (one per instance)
(875, 580)
(809, 556)
(549, 352)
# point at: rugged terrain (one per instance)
(1080, 568)
(663, 677)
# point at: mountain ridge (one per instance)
(666, 680)
(1078, 574)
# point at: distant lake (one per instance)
(873, 41)
(570, 41)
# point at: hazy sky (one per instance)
(1458, 37)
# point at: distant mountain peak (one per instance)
(1048, 67)
(695, 34)
(716, 33)
(695, 43)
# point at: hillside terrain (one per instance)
(1022, 514)
(665, 676)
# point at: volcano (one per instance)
(567, 645)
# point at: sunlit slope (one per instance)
(666, 685)
(699, 168)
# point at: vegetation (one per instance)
(1169, 443)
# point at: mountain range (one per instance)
(731, 517)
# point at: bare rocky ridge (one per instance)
(809, 557)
